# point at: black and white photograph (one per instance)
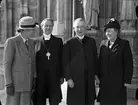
(68, 52)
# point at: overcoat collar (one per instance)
(82, 40)
(115, 45)
(22, 46)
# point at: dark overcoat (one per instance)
(80, 60)
(49, 71)
(116, 69)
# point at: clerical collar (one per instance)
(80, 37)
(47, 37)
(24, 40)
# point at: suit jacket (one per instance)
(19, 63)
(116, 69)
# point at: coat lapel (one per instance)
(53, 43)
(85, 40)
(78, 39)
(106, 43)
(21, 44)
(38, 43)
(116, 44)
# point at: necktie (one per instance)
(26, 44)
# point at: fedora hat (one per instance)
(112, 23)
(27, 22)
(137, 10)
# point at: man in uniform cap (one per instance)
(116, 66)
(19, 63)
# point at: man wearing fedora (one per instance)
(116, 66)
(19, 63)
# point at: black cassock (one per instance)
(80, 60)
(116, 69)
(49, 71)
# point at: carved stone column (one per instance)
(19, 9)
(3, 22)
(43, 6)
(59, 23)
(128, 26)
(51, 9)
(37, 12)
(8, 18)
(127, 15)
(131, 36)
(68, 18)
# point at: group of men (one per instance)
(28, 62)
(42, 64)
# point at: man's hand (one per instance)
(10, 89)
(127, 85)
(70, 83)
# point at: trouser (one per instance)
(19, 98)
(43, 92)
